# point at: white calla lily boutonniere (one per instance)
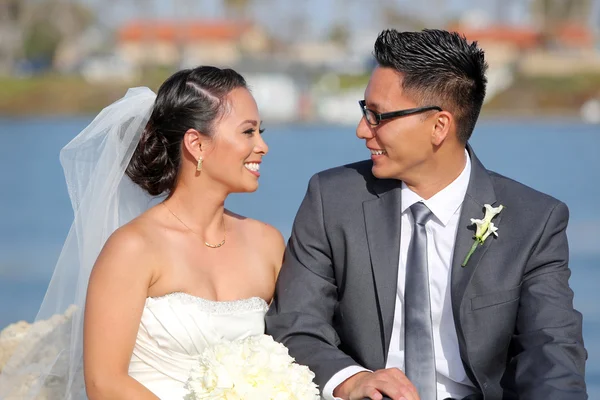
(485, 228)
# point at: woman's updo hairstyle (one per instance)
(190, 99)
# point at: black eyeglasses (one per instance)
(374, 118)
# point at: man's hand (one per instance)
(390, 382)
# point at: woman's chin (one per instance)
(253, 187)
(246, 187)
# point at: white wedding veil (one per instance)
(48, 361)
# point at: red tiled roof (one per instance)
(570, 35)
(520, 36)
(173, 31)
(575, 35)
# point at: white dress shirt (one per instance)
(452, 380)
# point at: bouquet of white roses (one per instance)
(254, 368)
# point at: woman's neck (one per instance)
(202, 211)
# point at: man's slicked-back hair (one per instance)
(438, 68)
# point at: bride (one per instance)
(158, 265)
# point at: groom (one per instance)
(376, 294)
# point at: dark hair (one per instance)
(190, 99)
(439, 68)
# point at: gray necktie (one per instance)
(419, 354)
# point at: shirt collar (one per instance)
(445, 202)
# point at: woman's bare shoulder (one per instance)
(258, 229)
(135, 242)
(263, 236)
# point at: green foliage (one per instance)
(353, 81)
(565, 84)
(41, 41)
(546, 94)
(339, 34)
(236, 8)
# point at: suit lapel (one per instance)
(382, 221)
(479, 192)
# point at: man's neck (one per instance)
(441, 173)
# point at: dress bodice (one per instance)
(176, 328)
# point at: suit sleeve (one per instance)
(551, 359)
(305, 299)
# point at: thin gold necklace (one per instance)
(212, 246)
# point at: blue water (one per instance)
(556, 157)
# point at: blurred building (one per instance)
(169, 43)
(571, 48)
(566, 37)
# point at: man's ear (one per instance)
(441, 129)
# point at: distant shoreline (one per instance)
(562, 115)
(72, 96)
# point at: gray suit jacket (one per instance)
(519, 336)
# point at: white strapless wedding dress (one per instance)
(177, 327)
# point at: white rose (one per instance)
(254, 368)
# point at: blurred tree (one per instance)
(394, 17)
(147, 13)
(41, 42)
(14, 22)
(549, 15)
(10, 36)
(236, 9)
(339, 34)
(550, 11)
(36, 28)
